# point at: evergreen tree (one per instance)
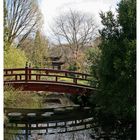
(117, 72)
(39, 50)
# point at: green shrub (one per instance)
(14, 58)
(21, 99)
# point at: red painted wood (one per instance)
(39, 80)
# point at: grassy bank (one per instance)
(14, 98)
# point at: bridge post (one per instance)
(56, 78)
(30, 71)
(74, 80)
(26, 73)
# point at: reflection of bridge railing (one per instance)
(56, 79)
(52, 120)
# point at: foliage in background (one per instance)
(40, 50)
(116, 100)
(93, 56)
(36, 50)
(14, 58)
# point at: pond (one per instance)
(55, 101)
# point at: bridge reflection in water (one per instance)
(48, 121)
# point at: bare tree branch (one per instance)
(23, 18)
(74, 30)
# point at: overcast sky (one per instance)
(53, 8)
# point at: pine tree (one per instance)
(117, 72)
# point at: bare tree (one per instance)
(74, 31)
(23, 18)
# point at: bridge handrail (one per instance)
(46, 69)
(58, 76)
(29, 72)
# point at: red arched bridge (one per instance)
(34, 79)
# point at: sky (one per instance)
(53, 8)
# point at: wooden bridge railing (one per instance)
(28, 74)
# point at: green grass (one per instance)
(70, 80)
(64, 79)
